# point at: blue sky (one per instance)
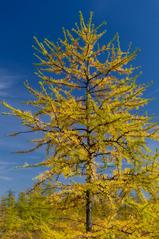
(136, 21)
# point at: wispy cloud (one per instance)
(5, 178)
(6, 163)
(7, 80)
(5, 167)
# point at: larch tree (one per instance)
(87, 110)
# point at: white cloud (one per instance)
(6, 178)
(7, 80)
(6, 163)
(5, 168)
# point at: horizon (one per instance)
(20, 22)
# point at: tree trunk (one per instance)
(88, 211)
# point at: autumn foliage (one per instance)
(104, 175)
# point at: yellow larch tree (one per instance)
(87, 110)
